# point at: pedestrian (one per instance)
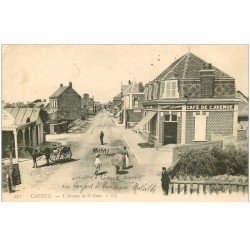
(165, 180)
(97, 164)
(126, 160)
(101, 137)
(47, 155)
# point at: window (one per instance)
(200, 127)
(150, 92)
(170, 118)
(170, 89)
(53, 103)
(136, 102)
(127, 102)
(146, 93)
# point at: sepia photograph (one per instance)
(128, 122)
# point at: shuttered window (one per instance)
(170, 89)
(200, 127)
(127, 100)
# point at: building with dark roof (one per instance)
(65, 104)
(117, 104)
(132, 98)
(189, 102)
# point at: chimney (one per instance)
(61, 85)
(207, 81)
(70, 84)
(86, 96)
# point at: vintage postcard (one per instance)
(124, 123)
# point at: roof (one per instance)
(20, 115)
(124, 87)
(242, 96)
(133, 88)
(59, 91)
(7, 119)
(118, 96)
(188, 66)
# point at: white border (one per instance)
(124, 225)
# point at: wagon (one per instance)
(60, 154)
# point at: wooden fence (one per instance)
(206, 187)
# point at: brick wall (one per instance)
(69, 105)
(224, 88)
(217, 123)
(179, 130)
(220, 123)
(161, 130)
(190, 89)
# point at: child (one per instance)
(97, 164)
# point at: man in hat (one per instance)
(97, 164)
(101, 137)
(165, 180)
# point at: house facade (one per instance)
(190, 102)
(87, 105)
(64, 104)
(132, 107)
(118, 104)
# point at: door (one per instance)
(170, 133)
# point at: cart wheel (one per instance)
(54, 157)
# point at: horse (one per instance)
(37, 152)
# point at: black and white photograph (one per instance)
(125, 123)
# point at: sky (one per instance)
(31, 72)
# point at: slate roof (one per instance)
(133, 88)
(59, 91)
(243, 105)
(21, 114)
(124, 87)
(118, 96)
(188, 66)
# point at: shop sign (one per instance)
(172, 107)
(210, 107)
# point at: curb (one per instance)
(139, 161)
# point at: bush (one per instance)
(211, 162)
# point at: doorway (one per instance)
(170, 129)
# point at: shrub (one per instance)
(211, 162)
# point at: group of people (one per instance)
(125, 162)
(165, 177)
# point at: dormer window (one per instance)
(170, 90)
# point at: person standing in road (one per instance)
(101, 137)
(97, 164)
(165, 180)
(126, 160)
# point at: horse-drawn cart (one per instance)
(56, 153)
(60, 154)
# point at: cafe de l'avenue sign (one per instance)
(210, 107)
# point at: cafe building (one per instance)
(190, 102)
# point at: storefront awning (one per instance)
(118, 113)
(144, 120)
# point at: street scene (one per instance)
(96, 123)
